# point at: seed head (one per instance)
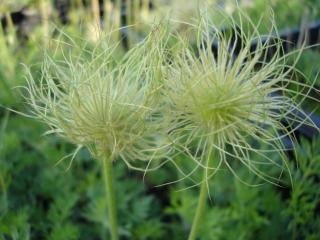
(228, 101)
(108, 106)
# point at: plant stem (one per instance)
(117, 18)
(107, 14)
(136, 12)
(107, 175)
(96, 13)
(11, 36)
(129, 21)
(202, 200)
(145, 8)
(44, 11)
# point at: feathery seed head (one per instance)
(104, 105)
(227, 101)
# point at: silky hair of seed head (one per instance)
(109, 106)
(223, 105)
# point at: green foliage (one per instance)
(305, 196)
(266, 212)
(40, 199)
(286, 13)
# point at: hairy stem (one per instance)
(202, 200)
(107, 175)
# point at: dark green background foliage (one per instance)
(40, 199)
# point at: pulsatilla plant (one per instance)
(223, 103)
(108, 106)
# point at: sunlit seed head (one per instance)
(105, 105)
(226, 102)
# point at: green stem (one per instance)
(11, 35)
(107, 14)
(44, 12)
(117, 19)
(145, 8)
(202, 200)
(107, 175)
(136, 12)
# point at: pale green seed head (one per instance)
(109, 106)
(226, 104)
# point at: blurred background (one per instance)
(40, 199)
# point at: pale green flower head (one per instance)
(107, 105)
(225, 104)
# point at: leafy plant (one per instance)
(42, 198)
(109, 108)
(263, 212)
(218, 101)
